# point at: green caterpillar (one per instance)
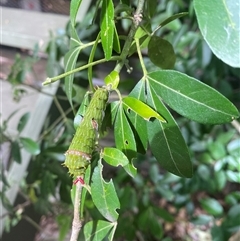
(79, 154)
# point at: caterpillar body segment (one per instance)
(79, 154)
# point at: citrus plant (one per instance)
(140, 120)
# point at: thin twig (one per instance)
(77, 223)
(236, 125)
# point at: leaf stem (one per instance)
(100, 61)
(137, 18)
(140, 57)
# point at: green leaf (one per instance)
(97, 230)
(220, 26)
(161, 53)
(170, 19)
(84, 190)
(15, 152)
(116, 42)
(81, 111)
(70, 60)
(114, 157)
(104, 195)
(107, 27)
(30, 145)
(139, 124)
(192, 98)
(217, 150)
(124, 139)
(64, 224)
(212, 206)
(148, 222)
(141, 109)
(112, 79)
(166, 141)
(74, 6)
(23, 121)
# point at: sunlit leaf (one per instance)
(114, 157)
(107, 27)
(104, 195)
(74, 7)
(112, 79)
(141, 109)
(192, 98)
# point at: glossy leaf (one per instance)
(141, 109)
(97, 230)
(220, 26)
(74, 7)
(114, 157)
(212, 206)
(81, 111)
(70, 60)
(104, 195)
(161, 53)
(30, 145)
(107, 27)
(112, 79)
(23, 121)
(192, 98)
(166, 141)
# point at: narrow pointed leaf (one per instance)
(70, 63)
(166, 141)
(116, 42)
(23, 121)
(124, 139)
(107, 27)
(104, 195)
(172, 18)
(220, 26)
(97, 230)
(114, 157)
(30, 145)
(81, 111)
(74, 6)
(139, 124)
(141, 109)
(70, 60)
(192, 98)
